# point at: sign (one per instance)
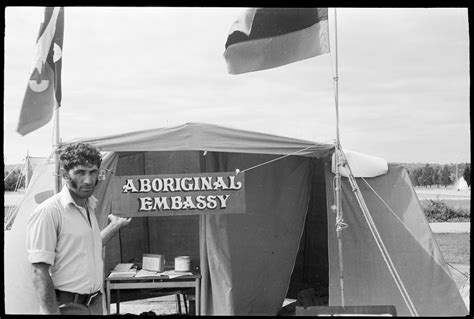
(178, 194)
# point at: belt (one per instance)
(85, 299)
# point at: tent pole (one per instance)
(339, 220)
(57, 167)
(202, 248)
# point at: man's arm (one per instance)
(115, 224)
(45, 288)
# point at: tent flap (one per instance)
(259, 248)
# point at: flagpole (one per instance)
(339, 220)
(27, 170)
(57, 175)
(57, 59)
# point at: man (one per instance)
(64, 242)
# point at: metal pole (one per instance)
(27, 169)
(339, 219)
(57, 167)
(336, 78)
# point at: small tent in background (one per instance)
(461, 184)
(285, 242)
(13, 199)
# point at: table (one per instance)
(153, 282)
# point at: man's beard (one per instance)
(74, 185)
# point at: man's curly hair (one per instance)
(75, 154)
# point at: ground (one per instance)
(442, 193)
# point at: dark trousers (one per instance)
(72, 308)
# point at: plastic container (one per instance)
(182, 263)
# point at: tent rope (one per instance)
(339, 219)
(379, 241)
(11, 171)
(459, 271)
(237, 171)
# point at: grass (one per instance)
(455, 247)
(454, 203)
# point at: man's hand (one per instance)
(113, 227)
(119, 221)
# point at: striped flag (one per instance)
(271, 37)
(44, 85)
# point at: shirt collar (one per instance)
(66, 199)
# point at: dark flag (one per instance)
(44, 86)
(271, 37)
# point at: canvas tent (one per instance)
(286, 240)
(461, 184)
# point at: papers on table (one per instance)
(123, 267)
(127, 271)
(173, 274)
(168, 274)
(122, 274)
(123, 270)
(147, 273)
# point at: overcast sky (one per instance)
(403, 80)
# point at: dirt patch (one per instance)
(165, 305)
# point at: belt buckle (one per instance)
(90, 298)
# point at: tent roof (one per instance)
(208, 137)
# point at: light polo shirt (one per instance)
(59, 234)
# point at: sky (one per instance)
(403, 80)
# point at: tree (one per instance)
(467, 174)
(415, 176)
(437, 176)
(445, 176)
(427, 175)
(10, 183)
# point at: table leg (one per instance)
(107, 289)
(118, 301)
(185, 304)
(178, 302)
(198, 296)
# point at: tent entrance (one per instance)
(168, 235)
(311, 272)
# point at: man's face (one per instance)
(82, 180)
